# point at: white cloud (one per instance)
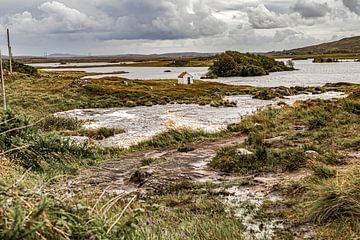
(117, 26)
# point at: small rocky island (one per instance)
(236, 64)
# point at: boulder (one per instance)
(312, 154)
(243, 151)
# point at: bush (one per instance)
(232, 63)
(20, 68)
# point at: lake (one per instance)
(309, 74)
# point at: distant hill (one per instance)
(129, 56)
(346, 45)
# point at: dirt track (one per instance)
(130, 174)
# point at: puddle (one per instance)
(247, 201)
(142, 123)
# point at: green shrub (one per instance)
(232, 63)
(20, 68)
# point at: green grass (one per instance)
(95, 134)
(184, 210)
(178, 137)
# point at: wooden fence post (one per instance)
(10, 51)
(2, 81)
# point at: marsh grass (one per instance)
(24, 144)
(335, 199)
(53, 123)
(178, 137)
(54, 92)
(263, 160)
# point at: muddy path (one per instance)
(150, 170)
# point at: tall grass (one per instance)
(24, 144)
(335, 198)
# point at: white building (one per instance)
(185, 78)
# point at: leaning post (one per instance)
(2, 81)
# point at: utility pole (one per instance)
(2, 81)
(10, 52)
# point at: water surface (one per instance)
(309, 74)
(141, 123)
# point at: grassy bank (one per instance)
(53, 92)
(318, 135)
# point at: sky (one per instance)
(107, 27)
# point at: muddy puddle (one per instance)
(248, 201)
(142, 123)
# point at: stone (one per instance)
(299, 128)
(243, 151)
(186, 149)
(140, 175)
(312, 154)
(274, 140)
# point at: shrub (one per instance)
(21, 68)
(232, 63)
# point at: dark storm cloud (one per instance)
(353, 5)
(311, 8)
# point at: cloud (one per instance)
(56, 18)
(353, 5)
(118, 26)
(311, 8)
(261, 18)
(162, 19)
(281, 35)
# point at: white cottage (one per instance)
(185, 78)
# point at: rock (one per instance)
(299, 128)
(243, 151)
(274, 140)
(186, 149)
(140, 176)
(312, 154)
